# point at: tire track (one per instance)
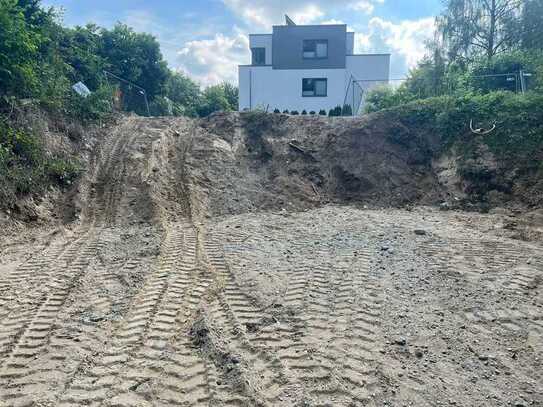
(16, 318)
(33, 332)
(232, 313)
(27, 281)
(143, 349)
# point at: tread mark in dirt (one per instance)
(233, 309)
(144, 349)
(36, 329)
(28, 280)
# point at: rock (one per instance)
(400, 341)
(419, 354)
(385, 248)
(444, 206)
(420, 232)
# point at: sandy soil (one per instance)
(158, 295)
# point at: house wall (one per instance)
(350, 43)
(261, 87)
(288, 41)
(262, 41)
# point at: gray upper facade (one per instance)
(309, 47)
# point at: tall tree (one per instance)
(135, 57)
(471, 28)
(532, 24)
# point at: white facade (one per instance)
(264, 87)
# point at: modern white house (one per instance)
(308, 67)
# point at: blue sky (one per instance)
(207, 39)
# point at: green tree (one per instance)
(532, 24)
(184, 93)
(232, 95)
(471, 28)
(135, 57)
(222, 97)
(213, 100)
(19, 50)
(81, 47)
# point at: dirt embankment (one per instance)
(261, 161)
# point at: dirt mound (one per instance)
(262, 161)
(255, 161)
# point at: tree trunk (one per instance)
(492, 30)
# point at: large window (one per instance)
(259, 56)
(315, 49)
(314, 87)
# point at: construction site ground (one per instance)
(184, 279)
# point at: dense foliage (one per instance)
(25, 167)
(40, 60)
(480, 46)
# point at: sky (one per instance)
(208, 39)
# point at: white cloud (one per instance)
(365, 6)
(331, 22)
(265, 13)
(405, 41)
(214, 60)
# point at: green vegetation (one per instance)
(519, 124)
(480, 47)
(40, 60)
(26, 168)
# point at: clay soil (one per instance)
(207, 266)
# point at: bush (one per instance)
(335, 112)
(322, 112)
(304, 112)
(286, 111)
(276, 111)
(518, 118)
(294, 113)
(25, 168)
(347, 110)
(384, 97)
(312, 113)
(96, 106)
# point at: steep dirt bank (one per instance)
(260, 161)
(206, 266)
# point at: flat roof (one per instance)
(312, 25)
(369, 55)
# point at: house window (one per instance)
(314, 87)
(315, 49)
(259, 56)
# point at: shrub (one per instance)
(276, 111)
(335, 112)
(322, 112)
(25, 168)
(286, 111)
(294, 113)
(347, 110)
(312, 113)
(304, 112)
